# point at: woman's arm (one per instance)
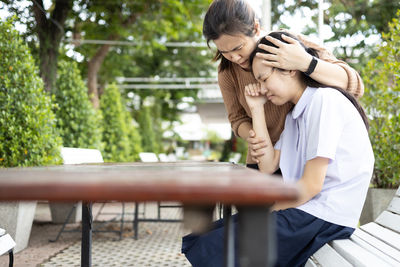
(236, 113)
(269, 162)
(310, 183)
(290, 59)
(292, 56)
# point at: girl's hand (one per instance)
(256, 145)
(291, 56)
(253, 96)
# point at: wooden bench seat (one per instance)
(373, 244)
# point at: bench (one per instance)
(373, 244)
(6, 245)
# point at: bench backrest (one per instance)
(148, 157)
(72, 155)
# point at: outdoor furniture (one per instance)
(152, 157)
(6, 245)
(373, 244)
(197, 185)
(72, 155)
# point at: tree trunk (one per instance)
(93, 69)
(48, 53)
(50, 32)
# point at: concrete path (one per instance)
(158, 244)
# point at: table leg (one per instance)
(257, 240)
(229, 237)
(86, 246)
(136, 221)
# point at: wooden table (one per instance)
(192, 183)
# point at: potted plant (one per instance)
(382, 102)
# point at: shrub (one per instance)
(28, 134)
(115, 130)
(135, 140)
(382, 102)
(78, 122)
(146, 126)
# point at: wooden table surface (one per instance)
(188, 182)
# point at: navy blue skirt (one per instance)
(299, 235)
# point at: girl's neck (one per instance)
(300, 88)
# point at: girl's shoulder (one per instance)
(328, 95)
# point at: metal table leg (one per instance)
(86, 246)
(136, 221)
(256, 229)
(229, 237)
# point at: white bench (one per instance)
(6, 245)
(375, 244)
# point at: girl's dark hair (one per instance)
(307, 79)
(228, 17)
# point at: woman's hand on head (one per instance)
(253, 95)
(288, 56)
(256, 145)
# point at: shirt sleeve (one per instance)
(325, 125)
(236, 113)
(355, 85)
(278, 144)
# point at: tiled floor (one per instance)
(158, 244)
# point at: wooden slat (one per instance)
(389, 237)
(378, 244)
(356, 255)
(375, 251)
(328, 257)
(310, 263)
(389, 220)
(394, 205)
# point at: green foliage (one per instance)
(382, 101)
(78, 122)
(241, 147)
(352, 23)
(28, 136)
(234, 145)
(147, 131)
(135, 140)
(115, 129)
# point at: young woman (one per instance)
(324, 148)
(235, 30)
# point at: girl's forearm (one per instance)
(266, 162)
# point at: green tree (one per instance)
(135, 140)
(146, 23)
(354, 20)
(147, 131)
(115, 130)
(46, 26)
(78, 122)
(27, 123)
(382, 101)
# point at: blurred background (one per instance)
(127, 76)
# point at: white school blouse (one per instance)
(324, 123)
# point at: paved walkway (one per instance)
(158, 244)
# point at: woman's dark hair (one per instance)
(228, 17)
(307, 79)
